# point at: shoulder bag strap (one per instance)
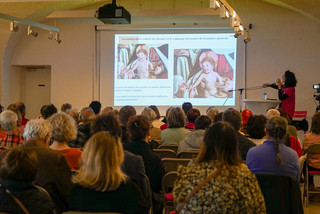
(18, 202)
(180, 207)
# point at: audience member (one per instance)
(194, 139)
(53, 171)
(292, 131)
(74, 114)
(155, 133)
(87, 117)
(65, 107)
(313, 138)
(218, 117)
(18, 171)
(133, 164)
(64, 130)
(256, 129)
(212, 112)
(124, 115)
(175, 132)
(8, 121)
(48, 110)
(192, 115)
(20, 128)
(165, 119)
(234, 118)
(107, 110)
(272, 113)
(23, 110)
(101, 186)
(273, 156)
(186, 106)
(245, 114)
(156, 123)
(233, 189)
(139, 130)
(96, 107)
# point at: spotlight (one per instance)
(214, 4)
(246, 37)
(13, 26)
(223, 13)
(57, 37)
(236, 34)
(31, 32)
(50, 35)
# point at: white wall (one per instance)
(72, 62)
(281, 40)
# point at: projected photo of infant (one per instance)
(142, 61)
(202, 73)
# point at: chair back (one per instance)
(154, 144)
(314, 149)
(299, 115)
(149, 194)
(281, 193)
(188, 154)
(165, 153)
(172, 164)
(172, 147)
(167, 186)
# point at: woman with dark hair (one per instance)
(286, 91)
(175, 132)
(273, 156)
(234, 189)
(139, 130)
(313, 138)
(18, 171)
(256, 128)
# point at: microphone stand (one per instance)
(240, 94)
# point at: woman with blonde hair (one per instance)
(231, 187)
(175, 132)
(100, 184)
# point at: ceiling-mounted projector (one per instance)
(112, 14)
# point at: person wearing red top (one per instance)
(64, 130)
(286, 91)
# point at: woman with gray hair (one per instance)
(8, 121)
(64, 130)
(155, 132)
(273, 156)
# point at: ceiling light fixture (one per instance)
(13, 26)
(31, 32)
(50, 35)
(57, 37)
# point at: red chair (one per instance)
(299, 115)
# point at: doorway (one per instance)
(36, 89)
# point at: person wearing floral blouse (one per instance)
(234, 189)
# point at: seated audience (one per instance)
(155, 133)
(101, 186)
(156, 123)
(124, 115)
(20, 128)
(64, 130)
(87, 116)
(218, 117)
(192, 115)
(292, 131)
(165, 119)
(8, 121)
(234, 189)
(272, 113)
(139, 130)
(74, 114)
(313, 138)
(194, 139)
(133, 165)
(53, 171)
(48, 110)
(17, 172)
(234, 118)
(96, 107)
(23, 110)
(175, 132)
(65, 107)
(273, 156)
(212, 112)
(256, 129)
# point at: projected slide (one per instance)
(168, 69)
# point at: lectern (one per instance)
(260, 106)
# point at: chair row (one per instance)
(169, 153)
